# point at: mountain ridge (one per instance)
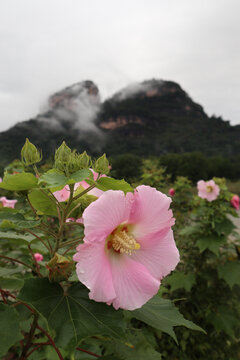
(153, 117)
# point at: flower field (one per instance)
(97, 267)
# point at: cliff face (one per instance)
(158, 117)
(69, 116)
(149, 118)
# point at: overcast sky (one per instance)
(46, 45)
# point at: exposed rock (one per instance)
(149, 118)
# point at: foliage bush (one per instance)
(45, 311)
(207, 281)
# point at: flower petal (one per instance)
(158, 253)
(150, 212)
(62, 195)
(103, 215)
(133, 283)
(94, 271)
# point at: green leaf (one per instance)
(72, 315)
(26, 238)
(211, 242)
(107, 183)
(53, 179)
(4, 271)
(79, 175)
(110, 357)
(190, 230)
(163, 315)
(19, 182)
(137, 348)
(180, 280)
(18, 220)
(11, 283)
(224, 319)
(56, 180)
(9, 329)
(230, 272)
(42, 202)
(225, 227)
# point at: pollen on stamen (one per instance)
(124, 243)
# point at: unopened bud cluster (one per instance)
(69, 161)
(30, 154)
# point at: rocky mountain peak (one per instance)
(67, 97)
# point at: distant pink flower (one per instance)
(1, 179)
(171, 192)
(8, 203)
(208, 190)
(38, 257)
(71, 219)
(235, 202)
(95, 192)
(128, 247)
(62, 195)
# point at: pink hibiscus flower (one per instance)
(235, 202)
(208, 190)
(8, 203)
(38, 257)
(128, 247)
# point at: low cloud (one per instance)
(134, 89)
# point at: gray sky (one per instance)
(46, 45)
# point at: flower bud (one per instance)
(62, 157)
(38, 257)
(84, 160)
(235, 202)
(101, 165)
(171, 192)
(30, 154)
(73, 163)
(60, 268)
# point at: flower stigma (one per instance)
(209, 188)
(122, 242)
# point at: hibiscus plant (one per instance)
(82, 259)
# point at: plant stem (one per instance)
(35, 261)
(71, 247)
(3, 296)
(70, 242)
(29, 337)
(71, 211)
(17, 261)
(88, 352)
(37, 237)
(51, 341)
(62, 219)
(84, 192)
(34, 211)
(38, 345)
